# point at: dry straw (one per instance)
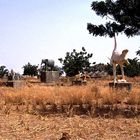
(95, 94)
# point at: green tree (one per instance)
(3, 71)
(109, 69)
(123, 17)
(133, 69)
(31, 70)
(76, 62)
(98, 67)
(138, 52)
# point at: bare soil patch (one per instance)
(26, 126)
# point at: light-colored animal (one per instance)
(118, 58)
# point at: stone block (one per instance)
(79, 82)
(121, 85)
(15, 83)
(49, 76)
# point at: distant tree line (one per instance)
(78, 62)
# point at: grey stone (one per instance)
(121, 85)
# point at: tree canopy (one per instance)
(123, 17)
(31, 70)
(138, 52)
(3, 71)
(75, 62)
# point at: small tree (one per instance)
(31, 70)
(3, 71)
(76, 62)
(133, 69)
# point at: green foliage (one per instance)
(30, 70)
(133, 69)
(3, 71)
(109, 69)
(138, 52)
(98, 67)
(106, 68)
(76, 62)
(124, 16)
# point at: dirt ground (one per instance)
(18, 126)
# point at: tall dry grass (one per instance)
(38, 98)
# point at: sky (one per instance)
(32, 30)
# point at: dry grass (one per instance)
(25, 126)
(45, 112)
(69, 99)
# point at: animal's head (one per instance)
(124, 52)
(44, 61)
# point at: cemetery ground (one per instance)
(87, 112)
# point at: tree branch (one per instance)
(110, 18)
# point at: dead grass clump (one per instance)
(77, 95)
(134, 97)
(112, 96)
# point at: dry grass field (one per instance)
(87, 112)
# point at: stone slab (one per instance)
(121, 85)
(15, 83)
(49, 76)
(79, 82)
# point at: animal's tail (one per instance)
(115, 43)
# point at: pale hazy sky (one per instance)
(31, 30)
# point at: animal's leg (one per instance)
(114, 72)
(122, 71)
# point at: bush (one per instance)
(30, 70)
(76, 62)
